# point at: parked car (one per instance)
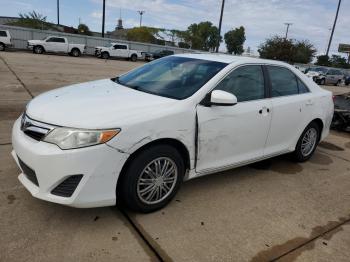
(135, 138)
(157, 54)
(55, 44)
(326, 76)
(5, 39)
(346, 78)
(117, 50)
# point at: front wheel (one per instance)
(38, 49)
(2, 47)
(104, 55)
(152, 179)
(307, 143)
(323, 82)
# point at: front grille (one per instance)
(67, 187)
(35, 135)
(28, 172)
(34, 129)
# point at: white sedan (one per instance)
(135, 138)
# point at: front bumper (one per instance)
(100, 166)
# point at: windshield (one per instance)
(319, 69)
(174, 77)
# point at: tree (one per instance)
(183, 45)
(323, 60)
(339, 61)
(141, 34)
(83, 29)
(33, 16)
(288, 50)
(203, 36)
(234, 40)
(34, 20)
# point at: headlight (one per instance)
(69, 138)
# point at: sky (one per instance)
(312, 19)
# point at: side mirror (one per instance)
(222, 98)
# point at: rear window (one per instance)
(3, 33)
(283, 81)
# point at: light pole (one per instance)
(220, 22)
(58, 12)
(335, 23)
(141, 13)
(103, 18)
(288, 25)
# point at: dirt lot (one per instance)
(275, 210)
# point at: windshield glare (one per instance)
(173, 77)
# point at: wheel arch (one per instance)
(320, 124)
(40, 46)
(177, 144)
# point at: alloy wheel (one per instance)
(157, 180)
(308, 142)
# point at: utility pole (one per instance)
(220, 22)
(141, 13)
(103, 18)
(58, 12)
(335, 23)
(288, 25)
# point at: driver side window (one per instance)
(246, 83)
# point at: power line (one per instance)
(335, 23)
(220, 22)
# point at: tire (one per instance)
(323, 82)
(133, 58)
(130, 187)
(38, 49)
(105, 55)
(338, 83)
(75, 52)
(301, 154)
(2, 47)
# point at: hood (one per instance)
(35, 41)
(313, 73)
(96, 105)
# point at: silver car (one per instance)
(326, 76)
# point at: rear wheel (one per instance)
(105, 55)
(307, 142)
(133, 58)
(2, 47)
(152, 179)
(338, 83)
(75, 52)
(38, 49)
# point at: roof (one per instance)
(225, 58)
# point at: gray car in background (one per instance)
(326, 76)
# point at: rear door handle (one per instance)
(309, 103)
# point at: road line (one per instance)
(311, 240)
(17, 77)
(161, 255)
